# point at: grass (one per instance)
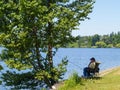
(110, 81)
(73, 80)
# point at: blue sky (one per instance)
(105, 19)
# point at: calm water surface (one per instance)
(79, 58)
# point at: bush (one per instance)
(118, 45)
(72, 81)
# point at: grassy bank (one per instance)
(110, 81)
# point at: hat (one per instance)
(92, 58)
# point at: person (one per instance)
(91, 66)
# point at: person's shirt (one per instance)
(92, 65)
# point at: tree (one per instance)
(106, 39)
(95, 39)
(100, 44)
(31, 30)
(118, 45)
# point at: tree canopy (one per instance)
(111, 40)
(31, 31)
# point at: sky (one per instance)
(104, 19)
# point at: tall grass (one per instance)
(72, 81)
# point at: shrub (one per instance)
(72, 81)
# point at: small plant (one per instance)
(72, 81)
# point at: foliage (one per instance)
(100, 44)
(110, 46)
(72, 81)
(97, 41)
(110, 81)
(32, 30)
(17, 79)
(1, 68)
(118, 45)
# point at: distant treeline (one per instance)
(111, 40)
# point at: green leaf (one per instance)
(1, 68)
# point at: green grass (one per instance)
(110, 81)
(73, 80)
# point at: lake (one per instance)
(80, 57)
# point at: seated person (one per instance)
(91, 68)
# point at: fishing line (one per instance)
(70, 62)
(75, 64)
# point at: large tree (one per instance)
(30, 32)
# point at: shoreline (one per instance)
(107, 71)
(101, 74)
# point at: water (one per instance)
(80, 57)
